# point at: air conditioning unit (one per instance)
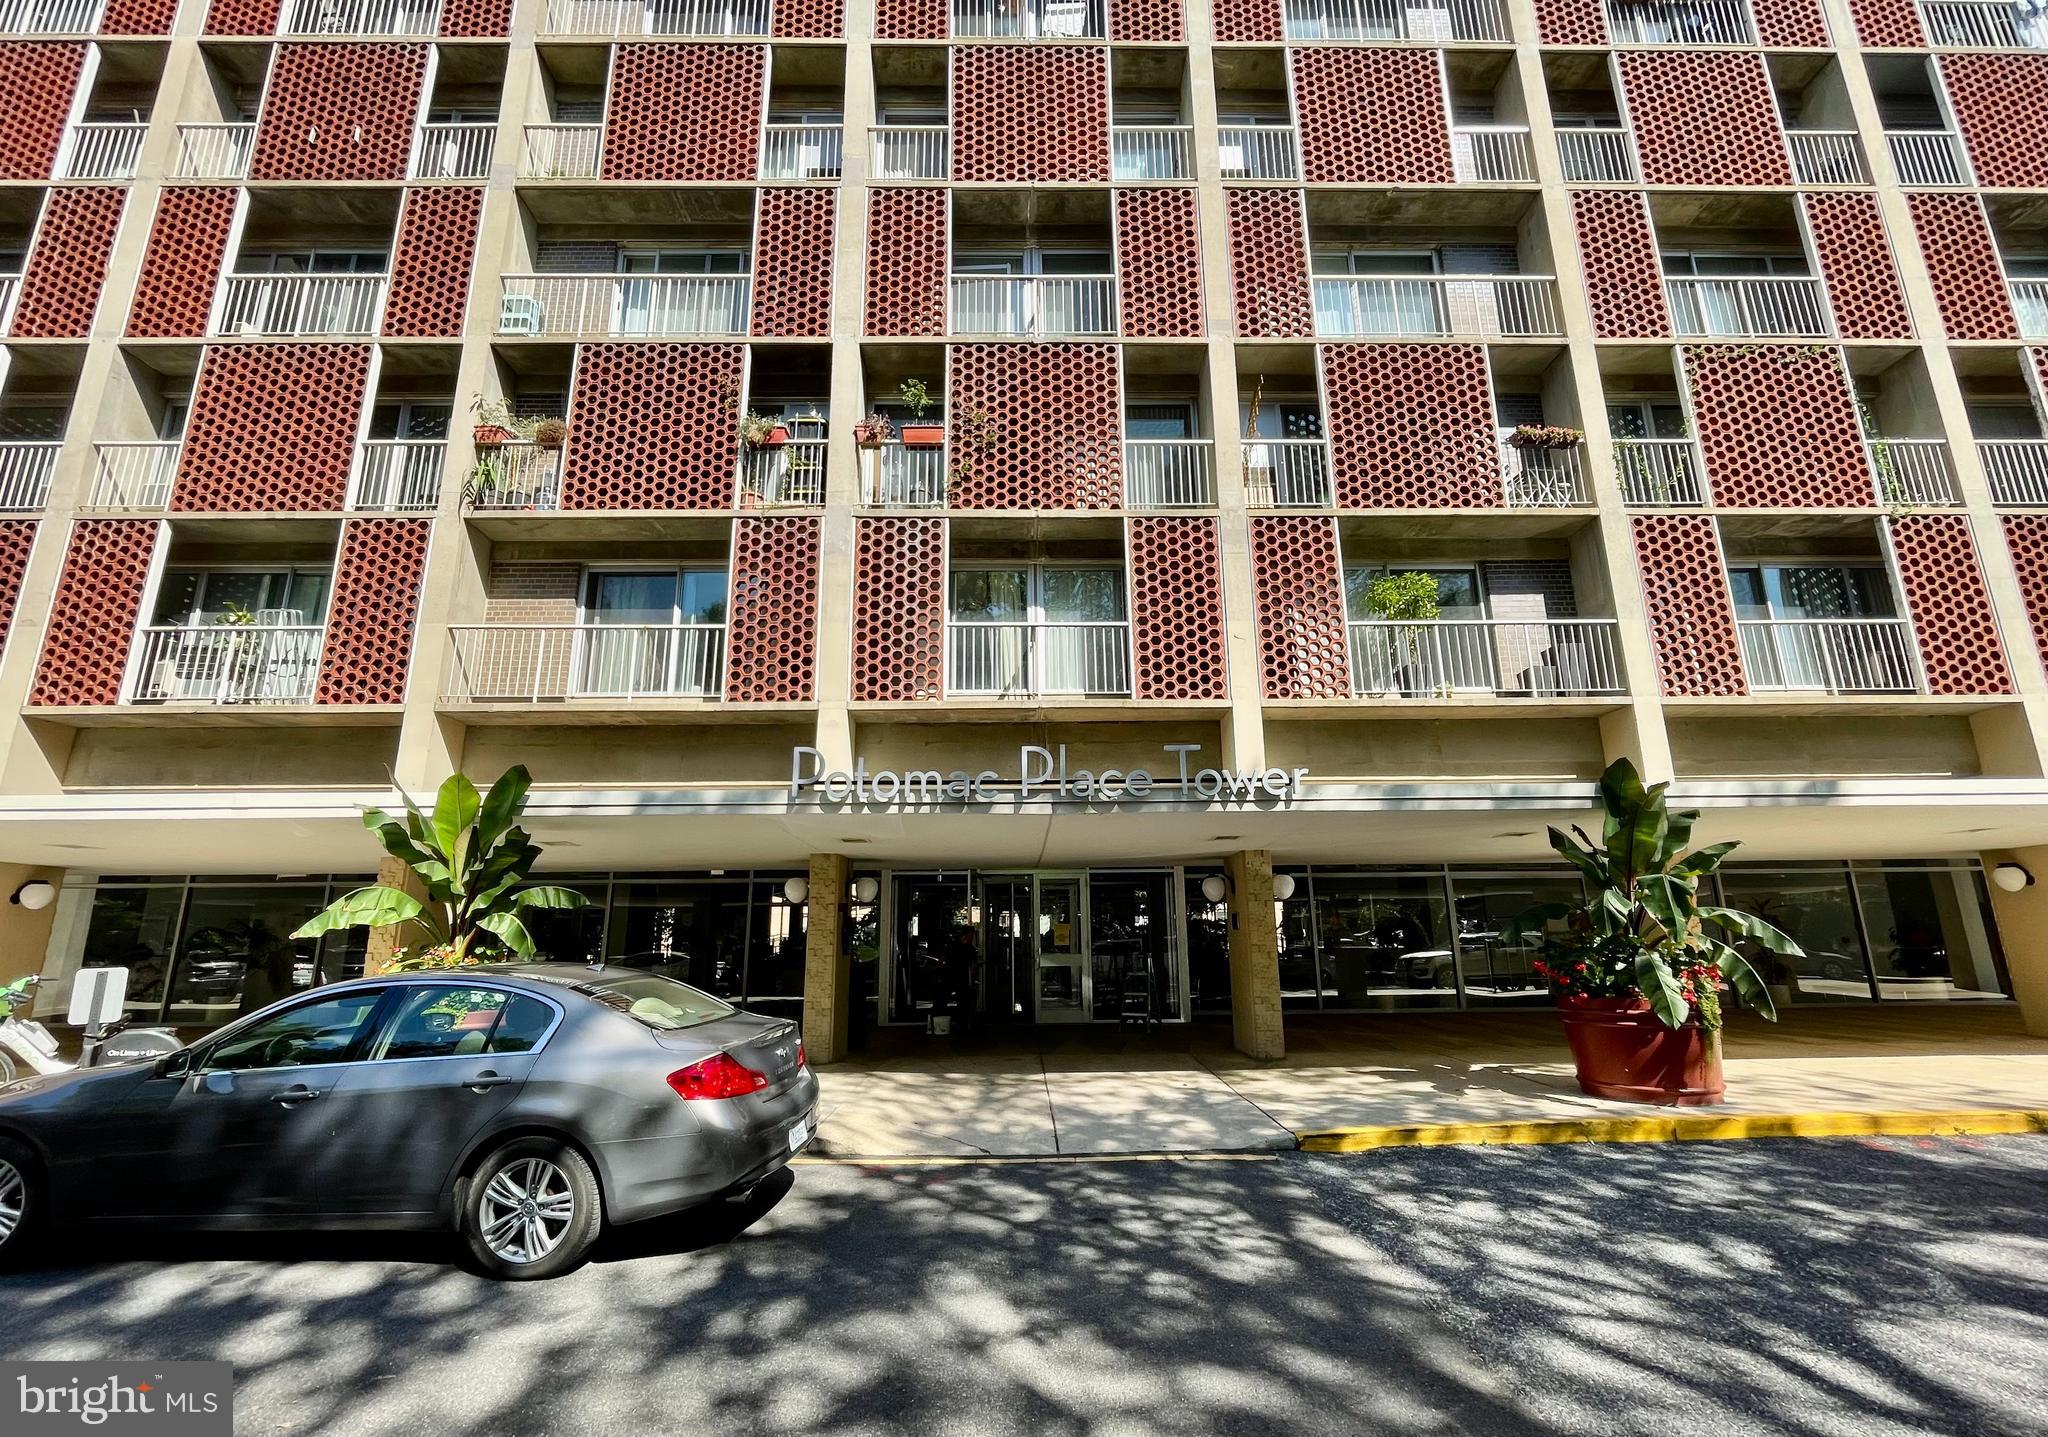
(519, 314)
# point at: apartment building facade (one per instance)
(1057, 510)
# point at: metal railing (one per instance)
(1091, 660)
(1437, 658)
(1835, 656)
(1258, 152)
(543, 663)
(1021, 19)
(214, 152)
(10, 285)
(910, 152)
(1542, 478)
(624, 305)
(1475, 306)
(2030, 306)
(656, 17)
(454, 151)
(1982, 25)
(1827, 157)
(1036, 305)
(518, 475)
(2017, 470)
(51, 17)
(1169, 474)
(1750, 307)
(1680, 22)
(1492, 154)
(896, 476)
(299, 304)
(361, 17)
(134, 475)
(561, 152)
(227, 664)
(1152, 152)
(1484, 20)
(802, 152)
(1928, 157)
(1287, 474)
(1912, 471)
(792, 473)
(1603, 156)
(1660, 473)
(25, 469)
(103, 149)
(398, 474)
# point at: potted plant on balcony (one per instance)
(550, 433)
(1410, 599)
(760, 431)
(1546, 436)
(918, 400)
(495, 425)
(874, 431)
(1637, 968)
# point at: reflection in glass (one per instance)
(134, 928)
(1929, 936)
(1130, 946)
(1386, 942)
(1208, 948)
(1306, 977)
(695, 933)
(1496, 969)
(935, 948)
(1814, 907)
(237, 954)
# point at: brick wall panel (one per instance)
(17, 538)
(2026, 539)
(37, 80)
(1704, 118)
(1298, 586)
(1571, 22)
(1054, 420)
(1156, 22)
(1856, 261)
(1951, 605)
(1999, 101)
(1411, 426)
(432, 260)
(653, 426)
(138, 17)
(1791, 24)
(321, 94)
(60, 290)
(808, 20)
(1176, 570)
(1158, 262)
(684, 112)
(1251, 20)
(476, 19)
(1962, 265)
(1030, 113)
(272, 429)
(373, 611)
(93, 613)
(1618, 256)
(772, 631)
(907, 262)
(1269, 264)
(243, 17)
(1371, 116)
(1778, 427)
(181, 264)
(910, 19)
(794, 246)
(1883, 24)
(1692, 618)
(899, 610)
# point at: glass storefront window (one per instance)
(1130, 946)
(135, 928)
(775, 962)
(1496, 970)
(1307, 979)
(936, 948)
(1814, 907)
(570, 935)
(1385, 942)
(237, 954)
(1929, 934)
(695, 933)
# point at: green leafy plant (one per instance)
(1643, 930)
(473, 860)
(917, 397)
(1407, 597)
(1546, 436)
(974, 435)
(756, 429)
(238, 616)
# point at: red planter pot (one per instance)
(923, 436)
(1622, 1051)
(490, 436)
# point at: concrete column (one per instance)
(1257, 1028)
(2023, 932)
(385, 942)
(828, 969)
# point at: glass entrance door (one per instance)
(1008, 960)
(1063, 977)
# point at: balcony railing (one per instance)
(1439, 658)
(1603, 156)
(910, 152)
(51, 17)
(1439, 306)
(1025, 19)
(398, 474)
(1484, 20)
(1982, 25)
(2017, 470)
(1034, 306)
(227, 664)
(1827, 157)
(2030, 307)
(299, 304)
(103, 150)
(1258, 152)
(1928, 157)
(898, 477)
(214, 152)
(1834, 656)
(561, 152)
(1759, 307)
(792, 473)
(656, 17)
(1912, 471)
(519, 475)
(454, 151)
(1152, 152)
(550, 663)
(1492, 154)
(25, 469)
(1680, 22)
(624, 305)
(1082, 660)
(1169, 474)
(801, 152)
(1660, 473)
(1542, 478)
(1287, 474)
(134, 476)
(10, 285)
(361, 17)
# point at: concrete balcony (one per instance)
(601, 663)
(1982, 25)
(910, 152)
(1543, 478)
(328, 18)
(51, 17)
(1492, 154)
(538, 306)
(1829, 656)
(1032, 306)
(1147, 153)
(299, 305)
(802, 152)
(1680, 22)
(624, 18)
(1748, 307)
(1287, 474)
(1484, 21)
(1915, 473)
(1597, 156)
(2030, 306)
(453, 152)
(25, 469)
(1038, 660)
(134, 476)
(1169, 474)
(518, 476)
(397, 475)
(217, 664)
(896, 476)
(1258, 152)
(1438, 307)
(1444, 658)
(102, 150)
(1827, 157)
(1929, 159)
(1660, 473)
(1028, 20)
(783, 475)
(214, 152)
(561, 152)
(2017, 470)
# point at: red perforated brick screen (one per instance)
(1371, 116)
(1790, 24)
(1254, 20)
(477, 19)
(1951, 605)
(431, 262)
(1051, 438)
(1030, 112)
(1692, 619)
(1999, 101)
(807, 20)
(1856, 260)
(793, 252)
(2026, 539)
(906, 262)
(17, 538)
(139, 17)
(1777, 424)
(373, 611)
(36, 83)
(772, 635)
(1884, 24)
(61, 288)
(1269, 263)
(899, 610)
(653, 426)
(1159, 263)
(243, 17)
(910, 19)
(1962, 266)
(181, 264)
(339, 112)
(1176, 572)
(1411, 426)
(1704, 118)
(1618, 258)
(1156, 22)
(93, 613)
(1570, 22)
(1298, 586)
(273, 428)
(684, 112)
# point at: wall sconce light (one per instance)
(35, 894)
(1215, 888)
(796, 890)
(866, 889)
(2011, 877)
(1283, 886)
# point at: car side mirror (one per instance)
(172, 1065)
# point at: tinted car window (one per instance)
(520, 1025)
(320, 1032)
(660, 1003)
(442, 1022)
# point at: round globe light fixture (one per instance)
(796, 890)
(35, 894)
(2011, 877)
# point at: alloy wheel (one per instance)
(526, 1208)
(13, 1199)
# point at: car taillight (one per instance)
(719, 1076)
(799, 1052)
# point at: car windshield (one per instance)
(660, 1003)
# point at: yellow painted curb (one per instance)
(1669, 1127)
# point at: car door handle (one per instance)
(291, 1097)
(486, 1080)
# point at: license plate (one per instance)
(800, 1134)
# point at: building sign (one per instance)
(1043, 774)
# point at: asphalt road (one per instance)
(1860, 1288)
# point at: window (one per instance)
(1159, 421)
(1647, 420)
(1038, 628)
(2011, 419)
(410, 419)
(329, 1031)
(1459, 594)
(447, 1022)
(1812, 591)
(694, 291)
(196, 598)
(1827, 628)
(312, 261)
(652, 631)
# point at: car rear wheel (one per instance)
(21, 1201)
(532, 1210)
